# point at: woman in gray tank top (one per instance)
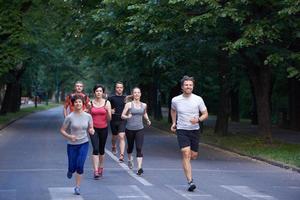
(134, 112)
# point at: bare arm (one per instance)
(63, 131)
(125, 111)
(204, 116)
(108, 108)
(66, 105)
(146, 117)
(173, 117)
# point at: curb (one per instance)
(15, 119)
(255, 158)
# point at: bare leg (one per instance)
(101, 161)
(139, 162)
(78, 180)
(122, 142)
(114, 143)
(95, 159)
(186, 162)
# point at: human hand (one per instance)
(129, 115)
(148, 122)
(194, 120)
(173, 128)
(91, 131)
(73, 138)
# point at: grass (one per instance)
(254, 146)
(4, 119)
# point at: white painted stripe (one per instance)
(288, 187)
(128, 192)
(182, 191)
(63, 193)
(130, 172)
(247, 192)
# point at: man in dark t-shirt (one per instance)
(117, 124)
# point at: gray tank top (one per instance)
(136, 121)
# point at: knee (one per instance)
(139, 152)
(102, 152)
(122, 137)
(79, 171)
(95, 152)
(186, 155)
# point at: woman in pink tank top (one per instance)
(101, 114)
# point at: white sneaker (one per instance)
(130, 164)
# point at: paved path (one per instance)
(33, 165)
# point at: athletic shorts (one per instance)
(117, 127)
(189, 138)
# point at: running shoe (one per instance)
(96, 174)
(77, 190)
(69, 175)
(121, 159)
(140, 171)
(100, 171)
(130, 164)
(191, 186)
(114, 150)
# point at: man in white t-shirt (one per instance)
(185, 114)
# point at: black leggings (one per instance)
(99, 140)
(136, 136)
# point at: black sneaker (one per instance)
(191, 186)
(140, 171)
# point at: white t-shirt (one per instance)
(186, 109)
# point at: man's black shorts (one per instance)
(117, 126)
(189, 138)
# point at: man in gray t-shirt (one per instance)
(185, 109)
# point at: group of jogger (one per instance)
(85, 118)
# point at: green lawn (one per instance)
(248, 145)
(24, 111)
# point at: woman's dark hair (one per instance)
(75, 97)
(99, 86)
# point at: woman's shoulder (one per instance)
(86, 114)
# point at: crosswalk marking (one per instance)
(247, 192)
(129, 192)
(182, 191)
(130, 172)
(63, 193)
(9, 194)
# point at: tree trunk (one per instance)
(235, 104)
(253, 111)
(261, 78)
(12, 97)
(294, 103)
(176, 90)
(221, 126)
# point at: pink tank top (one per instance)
(99, 116)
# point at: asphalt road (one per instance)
(33, 165)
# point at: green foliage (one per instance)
(13, 36)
